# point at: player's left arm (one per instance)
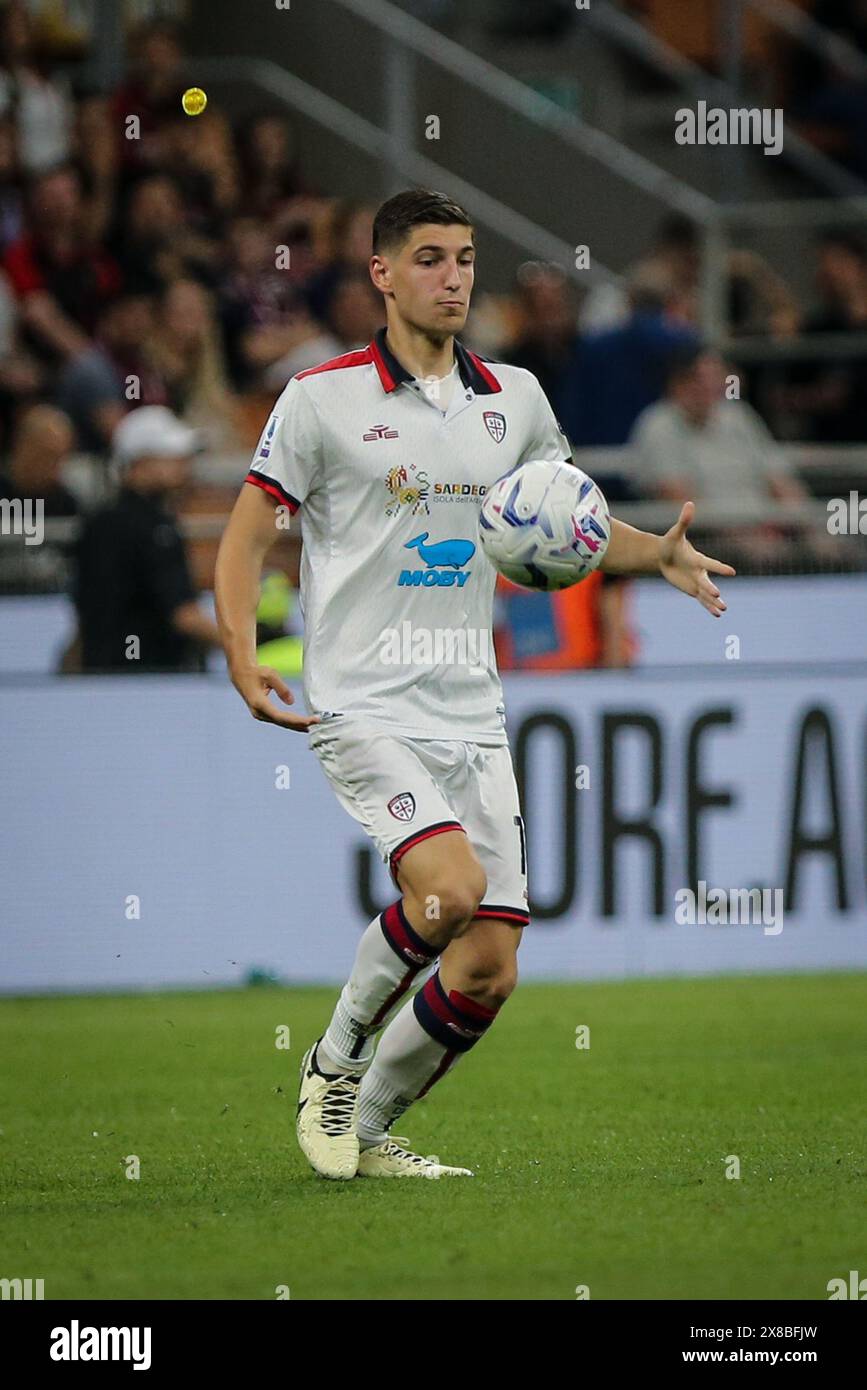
(631, 551)
(674, 557)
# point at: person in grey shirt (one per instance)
(699, 444)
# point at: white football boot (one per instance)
(391, 1160)
(326, 1118)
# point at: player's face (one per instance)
(431, 277)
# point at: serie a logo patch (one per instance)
(402, 806)
(267, 439)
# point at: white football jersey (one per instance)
(396, 594)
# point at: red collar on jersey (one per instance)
(472, 369)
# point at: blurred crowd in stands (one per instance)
(151, 259)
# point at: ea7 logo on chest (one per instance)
(495, 424)
(76, 1343)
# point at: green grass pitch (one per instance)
(602, 1167)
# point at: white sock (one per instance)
(417, 1048)
(389, 958)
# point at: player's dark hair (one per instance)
(413, 208)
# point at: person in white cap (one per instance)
(134, 593)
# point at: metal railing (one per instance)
(397, 27)
(799, 24)
(383, 146)
(632, 36)
(838, 461)
(408, 41)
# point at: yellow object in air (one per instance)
(276, 599)
(285, 654)
(194, 101)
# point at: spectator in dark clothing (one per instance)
(270, 166)
(619, 372)
(134, 594)
(259, 306)
(829, 94)
(830, 394)
(758, 300)
(356, 311)
(152, 92)
(97, 157)
(350, 237)
(156, 244)
(97, 388)
(11, 194)
(548, 338)
(61, 279)
(199, 155)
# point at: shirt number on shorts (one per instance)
(519, 821)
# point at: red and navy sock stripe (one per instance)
(452, 1019)
(404, 940)
(442, 1067)
(415, 953)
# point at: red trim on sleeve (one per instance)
(274, 490)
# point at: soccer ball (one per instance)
(545, 525)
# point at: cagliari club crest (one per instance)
(402, 806)
(495, 424)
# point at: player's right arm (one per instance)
(246, 541)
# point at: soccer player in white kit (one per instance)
(386, 453)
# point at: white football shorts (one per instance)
(402, 790)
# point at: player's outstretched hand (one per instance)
(255, 683)
(687, 569)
